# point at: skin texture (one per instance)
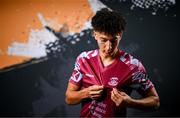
(108, 49)
(108, 46)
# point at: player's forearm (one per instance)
(75, 97)
(148, 102)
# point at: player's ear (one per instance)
(120, 34)
(94, 34)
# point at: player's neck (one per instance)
(107, 60)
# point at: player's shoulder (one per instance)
(128, 59)
(87, 54)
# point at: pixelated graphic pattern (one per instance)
(153, 4)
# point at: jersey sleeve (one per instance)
(77, 74)
(139, 79)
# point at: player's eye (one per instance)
(103, 41)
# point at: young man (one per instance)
(103, 79)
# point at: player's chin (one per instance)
(108, 53)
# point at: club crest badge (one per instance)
(113, 81)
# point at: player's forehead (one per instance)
(104, 35)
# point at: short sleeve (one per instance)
(77, 75)
(139, 79)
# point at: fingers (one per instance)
(96, 88)
(95, 91)
(116, 97)
(122, 93)
(95, 97)
(115, 92)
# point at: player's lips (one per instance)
(108, 52)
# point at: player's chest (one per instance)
(111, 77)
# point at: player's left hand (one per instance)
(119, 97)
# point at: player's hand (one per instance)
(95, 91)
(119, 97)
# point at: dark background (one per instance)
(37, 87)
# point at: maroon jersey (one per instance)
(125, 73)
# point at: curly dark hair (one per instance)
(109, 22)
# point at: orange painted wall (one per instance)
(18, 17)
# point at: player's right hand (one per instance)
(95, 91)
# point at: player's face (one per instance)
(108, 45)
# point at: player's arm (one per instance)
(74, 94)
(149, 100)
